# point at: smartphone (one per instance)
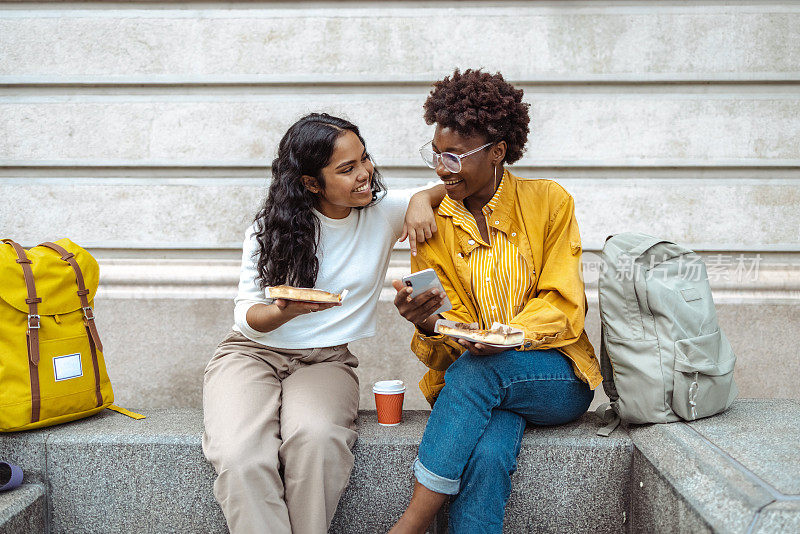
(422, 281)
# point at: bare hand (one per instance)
(418, 309)
(480, 349)
(419, 224)
(295, 308)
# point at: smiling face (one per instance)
(476, 180)
(347, 178)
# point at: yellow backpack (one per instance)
(51, 358)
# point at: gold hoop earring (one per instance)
(496, 185)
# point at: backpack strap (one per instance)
(88, 314)
(609, 417)
(32, 332)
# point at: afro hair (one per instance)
(477, 102)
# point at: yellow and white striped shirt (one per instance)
(501, 281)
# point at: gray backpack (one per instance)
(662, 353)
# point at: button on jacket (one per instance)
(538, 217)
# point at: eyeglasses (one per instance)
(451, 162)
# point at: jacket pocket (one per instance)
(703, 376)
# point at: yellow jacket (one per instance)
(538, 216)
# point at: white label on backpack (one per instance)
(691, 294)
(68, 366)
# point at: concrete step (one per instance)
(557, 468)
(109, 473)
(23, 510)
(736, 472)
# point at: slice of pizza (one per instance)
(498, 334)
(304, 294)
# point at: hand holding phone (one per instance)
(422, 281)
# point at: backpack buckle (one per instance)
(88, 314)
(33, 321)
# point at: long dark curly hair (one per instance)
(286, 228)
(476, 102)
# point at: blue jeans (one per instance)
(474, 432)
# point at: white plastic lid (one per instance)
(387, 387)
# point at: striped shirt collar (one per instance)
(456, 210)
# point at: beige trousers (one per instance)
(268, 411)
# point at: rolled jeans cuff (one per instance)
(434, 482)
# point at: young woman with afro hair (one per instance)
(508, 250)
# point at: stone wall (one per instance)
(144, 131)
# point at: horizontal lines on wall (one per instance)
(161, 119)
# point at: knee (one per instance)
(320, 437)
(245, 462)
(569, 413)
(244, 468)
(574, 402)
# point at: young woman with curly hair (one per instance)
(280, 396)
(507, 250)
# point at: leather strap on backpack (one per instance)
(32, 332)
(88, 314)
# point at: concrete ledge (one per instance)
(570, 480)
(557, 468)
(109, 473)
(381, 481)
(736, 472)
(23, 510)
(150, 473)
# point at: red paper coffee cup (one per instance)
(389, 401)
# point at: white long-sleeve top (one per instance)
(353, 254)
